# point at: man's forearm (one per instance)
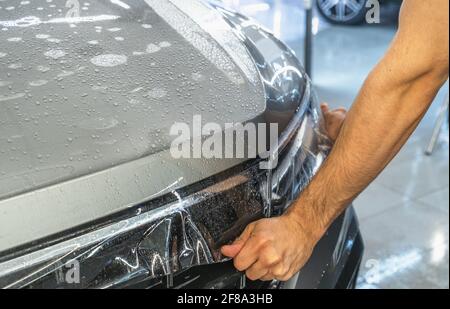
(393, 100)
(380, 122)
(388, 109)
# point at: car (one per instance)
(346, 12)
(91, 195)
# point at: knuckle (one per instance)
(269, 258)
(251, 276)
(263, 240)
(280, 271)
(268, 278)
(286, 277)
(259, 237)
(250, 227)
(265, 261)
(259, 241)
(239, 265)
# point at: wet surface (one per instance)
(405, 213)
(153, 243)
(187, 27)
(83, 92)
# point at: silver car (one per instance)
(91, 195)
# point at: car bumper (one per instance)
(334, 264)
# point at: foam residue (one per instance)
(109, 60)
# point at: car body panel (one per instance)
(82, 94)
(108, 158)
(70, 127)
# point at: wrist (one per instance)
(307, 220)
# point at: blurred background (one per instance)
(404, 214)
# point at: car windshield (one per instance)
(89, 85)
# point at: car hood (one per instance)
(88, 93)
(85, 87)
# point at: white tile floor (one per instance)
(404, 214)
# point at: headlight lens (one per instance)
(157, 241)
(300, 158)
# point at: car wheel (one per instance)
(343, 12)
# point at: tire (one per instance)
(343, 12)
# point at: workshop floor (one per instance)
(404, 214)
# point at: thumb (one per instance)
(233, 250)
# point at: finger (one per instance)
(279, 271)
(268, 257)
(257, 271)
(233, 249)
(249, 254)
(295, 266)
(246, 233)
(325, 108)
(288, 276)
(268, 277)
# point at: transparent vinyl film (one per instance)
(151, 245)
(164, 241)
(300, 159)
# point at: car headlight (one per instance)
(165, 236)
(300, 156)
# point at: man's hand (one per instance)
(272, 249)
(393, 100)
(334, 119)
(278, 248)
